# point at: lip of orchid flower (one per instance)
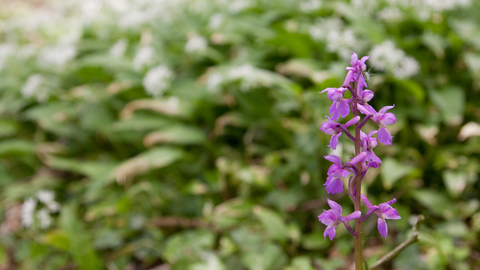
(334, 183)
(333, 217)
(383, 211)
(340, 105)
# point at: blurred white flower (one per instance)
(214, 81)
(196, 44)
(390, 14)
(386, 57)
(338, 40)
(57, 56)
(34, 87)
(44, 216)
(157, 80)
(237, 6)
(216, 21)
(6, 50)
(309, 6)
(28, 208)
(407, 68)
(119, 48)
(144, 57)
(48, 198)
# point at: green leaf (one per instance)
(272, 222)
(392, 171)
(435, 201)
(451, 103)
(177, 134)
(154, 158)
(16, 147)
(455, 182)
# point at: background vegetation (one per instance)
(185, 134)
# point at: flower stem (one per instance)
(358, 189)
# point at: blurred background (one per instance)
(184, 134)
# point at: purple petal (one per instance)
(386, 108)
(366, 201)
(334, 140)
(328, 90)
(365, 58)
(348, 78)
(344, 108)
(334, 170)
(354, 215)
(363, 109)
(391, 201)
(358, 158)
(367, 95)
(334, 159)
(327, 218)
(335, 185)
(352, 121)
(345, 173)
(334, 110)
(371, 133)
(353, 59)
(382, 227)
(391, 213)
(384, 136)
(388, 119)
(372, 157)
(335, 206)
(335, 95)
(330, 232)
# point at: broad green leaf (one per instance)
(435, 201)
(272, 222)
(177, 134)
(451, 103)
(16, 147)
(392, 171)
(151, 159)
(455, 182)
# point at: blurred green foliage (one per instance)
(185, 134)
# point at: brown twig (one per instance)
(412, 239)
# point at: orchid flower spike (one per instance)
(333, 217)
(383, 211)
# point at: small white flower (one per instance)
(237, 6)
(47, 197)
(216, 21)
(28, 208)
(34, 87)
(310, 6)
(157, 80)
(214, 81)
(196, 44)
(407, 68)
(57, 56)
(144, 57)
(386, 57)
(390, 14)
(44, 216)
(119, 48)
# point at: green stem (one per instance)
(358, 190)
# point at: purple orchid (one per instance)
(333, 217)
(335, 129)
(340, 105)
(383, 211)
(334, 182)
(382, 118)
(368, 143)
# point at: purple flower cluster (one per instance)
(364, 158)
